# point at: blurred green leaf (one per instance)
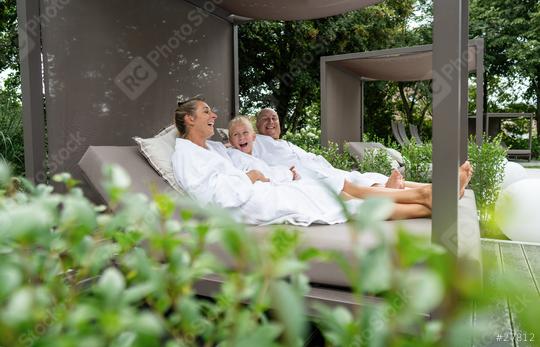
(424, 290)
(263, 336)
(10, 279)
(19, 307)
(77, 216)
(373, 212)
(289, 306)
(5, 173)
(111, 284)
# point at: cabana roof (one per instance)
(342, 87)
(402, 64)
(292, 10)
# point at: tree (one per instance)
(279, 61)
(511, 31)
(9, 48)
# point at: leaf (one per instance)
(5, 173)
(262, 336)
(289, 267)
(19, 307)
(111, 284)
(148, 324)
(165, 205)
(78, 217)
(373, 211)
(138, 292)
(10, 279)
(424, 290)
(289, 307)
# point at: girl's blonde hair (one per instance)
(241, 120)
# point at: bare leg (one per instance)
(409, 211)
(406, 196)
(420, 195)
(410, 184)
(465, 175)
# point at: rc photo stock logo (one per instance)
(441, 87)
(26, 45)
(136, 77)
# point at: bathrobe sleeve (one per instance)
(246, 162)
(208, 177)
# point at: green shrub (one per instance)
(11, 132)
(74, 274)
(309, 139)
(488, 161)
(417, 160)
(376, 160)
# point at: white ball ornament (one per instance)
(513, 172)
(516, 211)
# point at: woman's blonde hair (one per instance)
(184, 108)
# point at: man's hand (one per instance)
(256, 175)
(295, 175)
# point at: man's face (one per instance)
(241, 137)
(268, 124)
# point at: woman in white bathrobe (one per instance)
(210, 178)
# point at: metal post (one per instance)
(479, 90)
(449, 31)
(530, 135)
(464, 65)
(362, 110)
(31, 86)
(324, 113)
(236, 73)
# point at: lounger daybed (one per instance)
(328, 237)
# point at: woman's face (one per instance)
(241, 137)
(202, 121)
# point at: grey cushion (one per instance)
(143, 177)
(327, 237)
(357, 149)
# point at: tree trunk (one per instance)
(407, 107)
(284, 89)
(283, 101)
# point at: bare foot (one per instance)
(465, 175)
(395, 180)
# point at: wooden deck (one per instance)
(522, 260)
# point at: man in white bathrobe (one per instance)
(274, 151)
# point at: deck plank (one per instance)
(532, 255)
(499, 316)
(514, 261)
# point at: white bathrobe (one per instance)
(246, 162)
(281, 152)
(211, 179)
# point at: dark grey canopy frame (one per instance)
(343, 77)
(105, 71)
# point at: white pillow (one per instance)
(169, 134)
(158, 151)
